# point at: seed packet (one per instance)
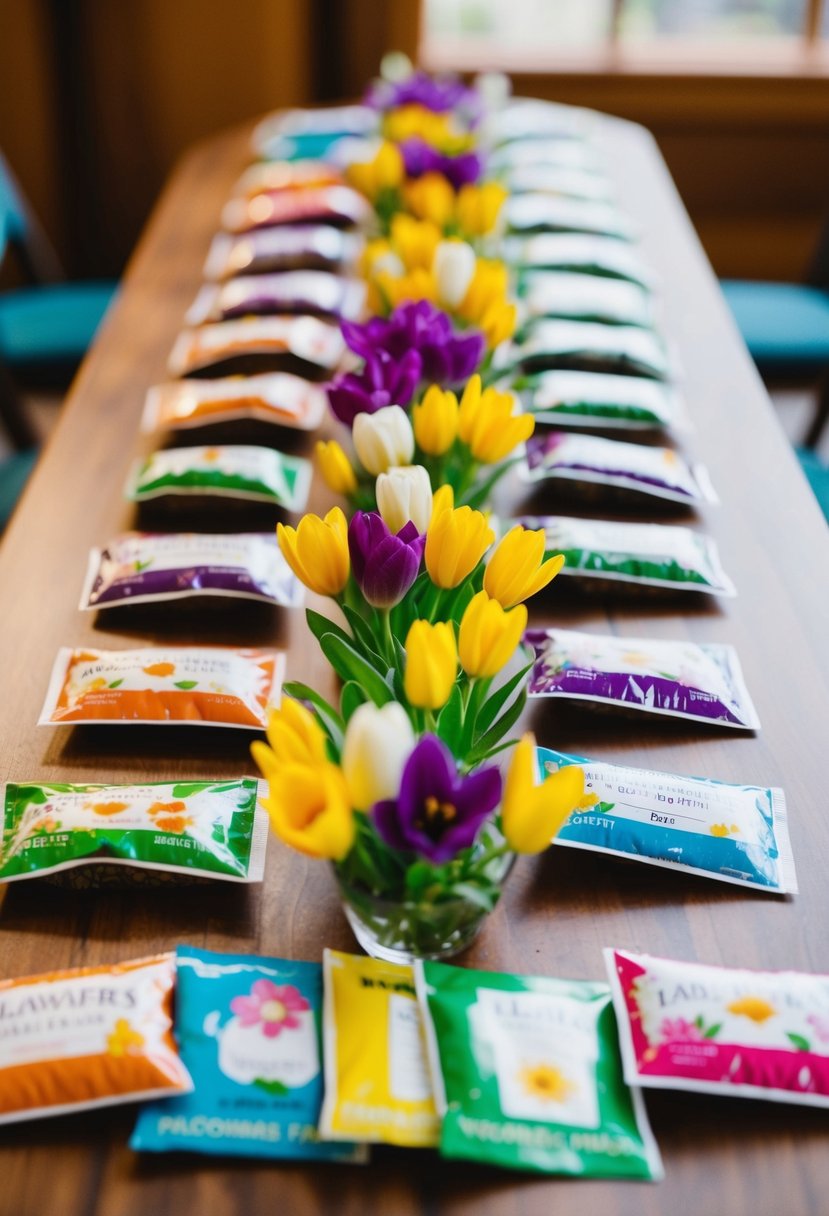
(268, 250)
(586, 345)
(147, 567)
(586, 297)
(339, 206)
(526, 118)
(281, 175)
(559, 180)
(207, 829)
(276, 398)
(259, 344)
(679, 678)
(585, 253)
(169, 685)
(660, 472)
(87, 1037)
(253, 474)
(377, 1084)
(249, 1030)
(560, 153)
(719, 1030)
(313, 292)
(326, 122)
(733, 833)
(529, 213)
(642, 555)
(527, 1074)
(602, 399)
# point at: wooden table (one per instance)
(723, 1156)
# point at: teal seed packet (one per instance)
(250, 1031)
(527, 1074)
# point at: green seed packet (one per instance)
(527, 1073)
(251, 473)
(204, 829)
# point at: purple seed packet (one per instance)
(680, 678)
(315, 292)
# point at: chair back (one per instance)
(13, 217)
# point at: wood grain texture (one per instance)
(723, 1156)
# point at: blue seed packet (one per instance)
(732, 833)
(249, 1030)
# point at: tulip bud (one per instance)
(431, 664)
(405, 494)
(435, 421)
(335, 467)
(383, 439)
(453, 268)
(377, 745)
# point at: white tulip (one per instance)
(378, 742)
(383, 439)
(453, 266)
(405, 494)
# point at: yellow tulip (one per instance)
(416, 122)
(432, 198)
(456, 540)
(435, 421)
(310, 810)
(335, 467)
(487, 424)
(488, 635)
(418, 284)
(477, 208)
(384, 172)
(490, 282)
(414, 241)
(532, 814)
(498, 322)
(517, 570)
(294, 737)
(317, 551)
(431, 664)
(443, 499)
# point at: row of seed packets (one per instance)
(279, 1059)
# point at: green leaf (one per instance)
(117, 683)
(497, 700)
(713, 1031)
(450, 720)
(483, 490)
(699, 1021)
(320, 625)
(798, 1041)
(484, 897)
(275, 1088)
(351, 698)
(364, 638)
(350, 665)
(185, 684)
(494, 735)
(327, 713)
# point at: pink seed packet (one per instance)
(339, 206)
(751, 1034)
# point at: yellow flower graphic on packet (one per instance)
(123, 1039)
(547, 1083)
(754, 1007)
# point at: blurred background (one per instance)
(100, 97)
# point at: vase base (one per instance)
(390, 953)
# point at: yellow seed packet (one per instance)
(377, 1084)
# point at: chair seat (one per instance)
(784, 325)
(51, 323)
(14, 472)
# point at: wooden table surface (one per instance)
(725, 1156)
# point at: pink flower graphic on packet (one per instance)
(275, 1006)
(680, 1030)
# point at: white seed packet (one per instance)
(590, 346)
(526, 213)
(561, 153)
(242, 471)
(277, 398)
(604, 400)
(312, 292)
(528, 118)
(263, 339)
(271, 250)
(559, 180)
(587, 254)
(586, 297)
(679, 678)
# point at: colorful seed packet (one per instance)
(587, 346)
(276, 398)
(326, 121)
(733, 833)
(339, 206)
(640, 555)
(205, 829)
(527, 1074)
(634, 468)
(585, 297)
(559, 180)
(377, 1083)
(243, 471)
(155, 567)
(164, 685)
(87, 1037)
(679, 678)
(261, 341)
(578, 252)
(602, 399)
(531, 213)
(249, 1031)
(312, 292)
(722, 1030)
(270, 250)
(282, 175)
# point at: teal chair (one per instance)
(817, 474)
(14, 473)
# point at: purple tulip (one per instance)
(439, 94)
(385, 564)
(383, 380)
(447, 357)
(420, 158)
(438, 811)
